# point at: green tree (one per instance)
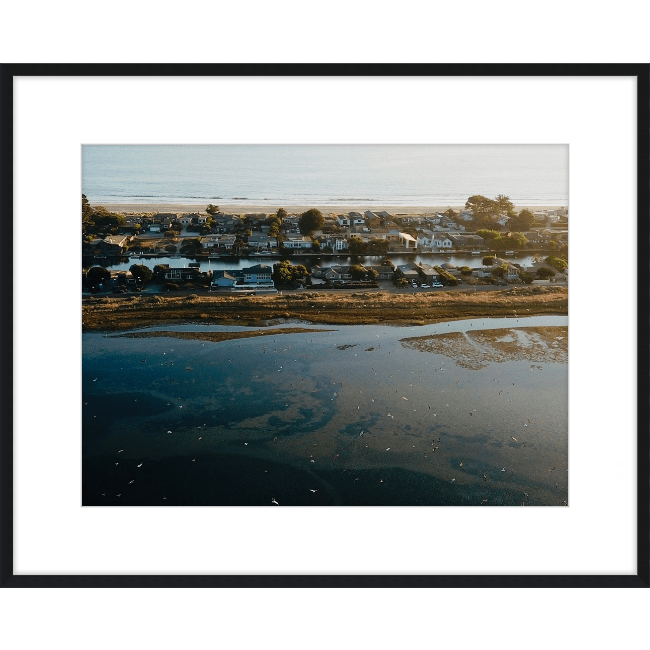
(86, 209)
(97, 275)
(159, 270)
(465, 271)
(372, 274)
(141, 273)
(489, 260)
(357, 246)
(212, 209)
(488, 234)
(526, 277)
(557, 263)
(452, 214)
(281, 214)
(310, 221)
(286, 273)
(545, 273)
(499, 271)
(522, 222)
(401, 283)
(357, 272)
(518, 239)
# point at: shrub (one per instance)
(446, 276)
(171, 285)
(526, 277)
(557, 263)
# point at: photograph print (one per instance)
(325, 325)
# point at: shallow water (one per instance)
(349, 417)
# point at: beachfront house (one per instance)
(343, 220)
(182, 274)
(261, 242)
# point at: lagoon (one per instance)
(359, 415)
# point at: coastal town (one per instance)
(272, 241)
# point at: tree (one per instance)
(518, 239)
(159, 270)
(212, 209)
(489, 260)
(401, 283)
(97, 275)
(285, 273)
(465, 271)
(141, 272)
(488, 234)
(545, 273)
(557, 263)
(86, 209)
(522, 222)
(372, 274)
(499, 271)
(311, 221)
(357, 272)
(452, 214)
(356, 246)
(281, 213)
(526, 277)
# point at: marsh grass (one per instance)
(112, 314)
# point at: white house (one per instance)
(298, 242)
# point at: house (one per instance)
(260, 274)
(336, 274)
(441, 241)
(409, 271)
(183, 274)
(223, 279)
(407, 239)
(473, 242)
(114, 244)
(384, 272)
(343, 220)
(424, 239)
(215, 241)
(429, 273)
(373, 220)
(298, 242)
(262, 242)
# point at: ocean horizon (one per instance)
(324, 175)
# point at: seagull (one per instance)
(194, 460)
(484, 477)
(504, 469)
(313, 490)
(461, 465)
(120, 451)
(274, 501)
(453, 479)
(515, 439)
(387, 448)
(140, 465)
(169, 432)
(116, 464)
(200, 437)
(103, 494)
(131, 481)
(118, 495)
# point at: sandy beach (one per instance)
(295, 209)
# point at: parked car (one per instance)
(424, 286)
(436, 284)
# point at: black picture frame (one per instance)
(10, 71)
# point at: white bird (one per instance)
(140, 465)
(246, 443)
(169, 432)
(131, 481)
(274, 501)
(200, 437)
(313, 490)
(118, 495)
(453, 479)
(515, 439)
(387, 448)
(194, 460)
(120, 451)
(504, 469)
(116, 464)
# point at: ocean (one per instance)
(324, 175)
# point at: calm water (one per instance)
(345, 417)
(324, 175)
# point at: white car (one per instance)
(424, 286)
(436, 284)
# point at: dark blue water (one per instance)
(324, 175)
(348, 417)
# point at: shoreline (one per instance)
(373, 307)
(230, 208)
